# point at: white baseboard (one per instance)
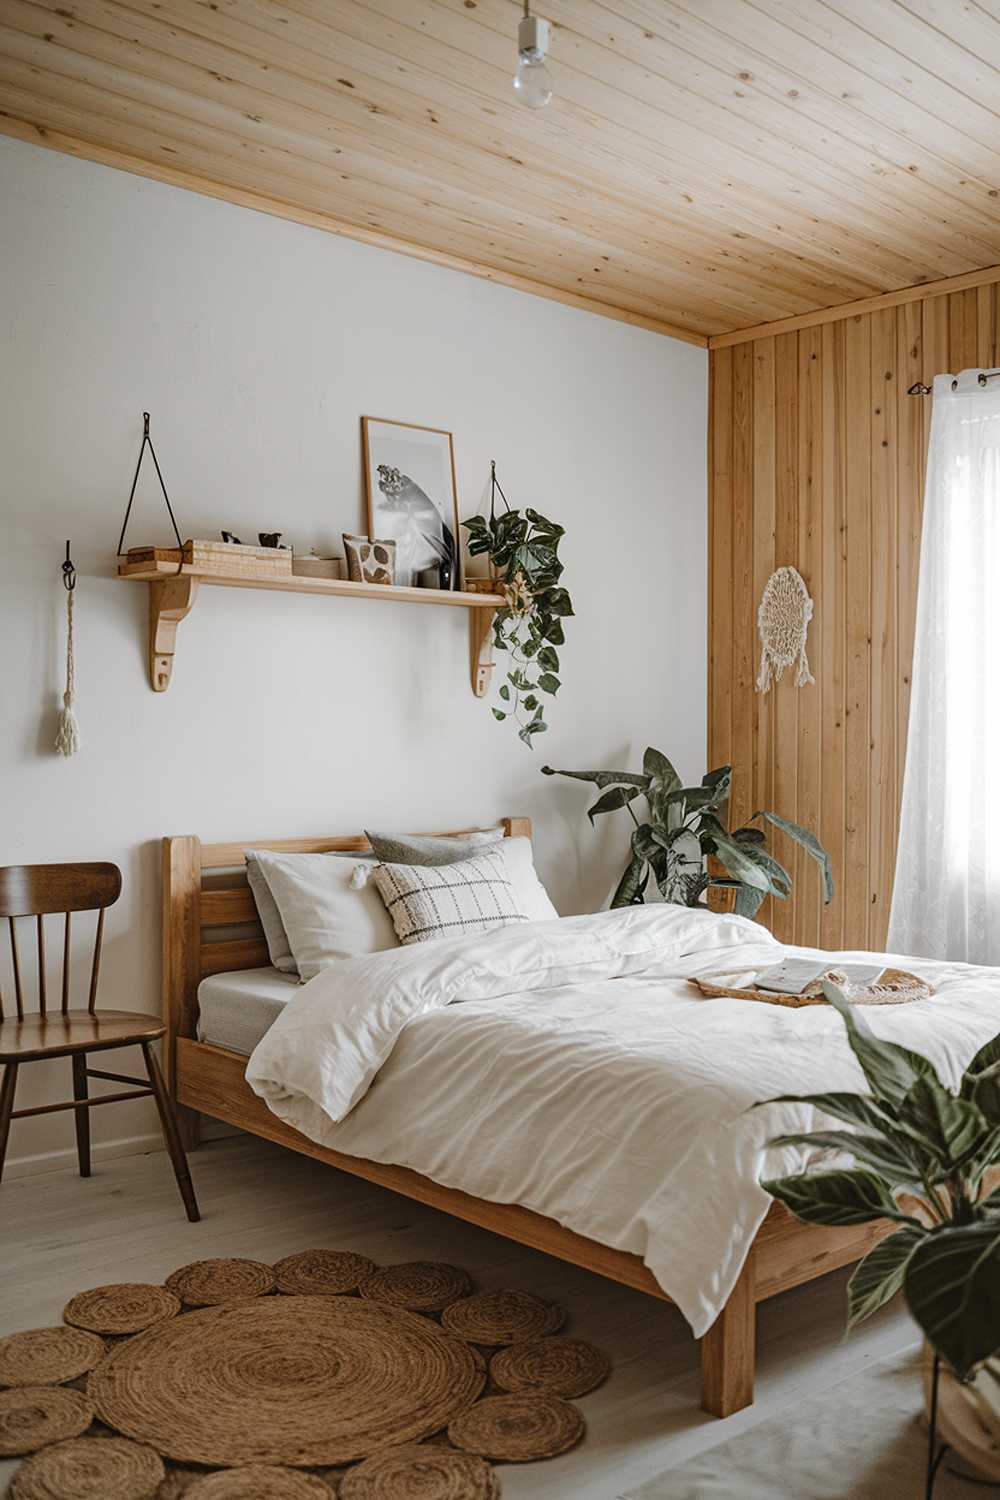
(131, 1145)
(59, 1161)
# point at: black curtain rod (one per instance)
(919, 389)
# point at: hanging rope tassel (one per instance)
(68, 738)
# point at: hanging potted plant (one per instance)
(523, 552)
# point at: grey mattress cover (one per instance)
(236, 1009)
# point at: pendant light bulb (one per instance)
(532, 81)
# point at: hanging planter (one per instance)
(523, 552)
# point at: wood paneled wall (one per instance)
(817, 459)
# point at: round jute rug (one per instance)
(421, 1471)
(563, 1367)
(304, 1381)
(504, 1317)
(207, 1283)
(419, 1285)
(126, 1307)
(518, 1429)
(89, 1468)
(33, 1415)
(48, 1356)
(321, 1273)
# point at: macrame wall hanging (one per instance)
(782, 622)
(68, 737)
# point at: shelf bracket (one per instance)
(481, 648)
(170, 599)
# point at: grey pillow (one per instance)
(278, 947)
(446, 849)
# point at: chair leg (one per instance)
(82, 1116)
(7, 1088)
(171, 1134)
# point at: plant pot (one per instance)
(968, 1413)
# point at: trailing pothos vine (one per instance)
(523, 548)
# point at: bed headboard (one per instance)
(210, 922)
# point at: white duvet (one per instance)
(569, 1067)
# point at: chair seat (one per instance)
(56, 1035)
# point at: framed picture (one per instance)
(412, 498)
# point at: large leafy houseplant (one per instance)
(682, 830)
(921, 1153)
(523, 549)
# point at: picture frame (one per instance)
(412, 497)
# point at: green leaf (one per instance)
(558, 602)
(655, 763)
(721, 773)
(505, 692)
(738, 862)
(986, 1094)
(530, 702)
(617, 797)
(950, 1126)
(952, 1285)
(548, 659)
(855, 1109)
(847, 1196)
(601, 778)
(548, 683)
(810, 843)
(537, 726)
(986, 1058)
(629, 890)
(891, 1070)
(748, 899)
(750, 836)
(875, 1151)
(498, 715)
(554, 632)
(880, 1275)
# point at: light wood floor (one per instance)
(59, 1234)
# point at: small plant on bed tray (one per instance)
(523, 549)
(921, 1153)
(683, 831)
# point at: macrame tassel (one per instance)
(68, 738)
(782, 623)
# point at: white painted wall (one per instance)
(257, 345)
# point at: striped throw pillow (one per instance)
(428, 902)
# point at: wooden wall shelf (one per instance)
(172, 595)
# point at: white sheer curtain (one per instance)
(946, 899)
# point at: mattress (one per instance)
(235, 1010)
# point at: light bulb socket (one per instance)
(533, 38)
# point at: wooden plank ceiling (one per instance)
(704, 166)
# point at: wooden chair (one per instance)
(39, 891)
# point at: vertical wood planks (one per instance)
(882, 792)
(784, 696)
(807, 902)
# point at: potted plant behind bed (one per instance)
(683, 830)
(921, 1154)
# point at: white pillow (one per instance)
(531, 896)
(430, 902)
(324, 913)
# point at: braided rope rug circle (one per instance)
(89, 1468)
(504, 1317)
(305, 1381)
(421, 1472)
(321, 1273)
(48, 1356)
(419, 1285)
(519, 1428)
(563, 1367)
(123, 1308)
(208, 1283)
(33, 1415)
(259, 1482)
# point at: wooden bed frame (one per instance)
(210, 926)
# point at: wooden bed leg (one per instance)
(728, 1350)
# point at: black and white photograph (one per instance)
(412, 500)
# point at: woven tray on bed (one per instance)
(894, 987)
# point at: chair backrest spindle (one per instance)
(40, 919)
(15, 958)
(96, 966)
(41, 890)
(65, 972)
